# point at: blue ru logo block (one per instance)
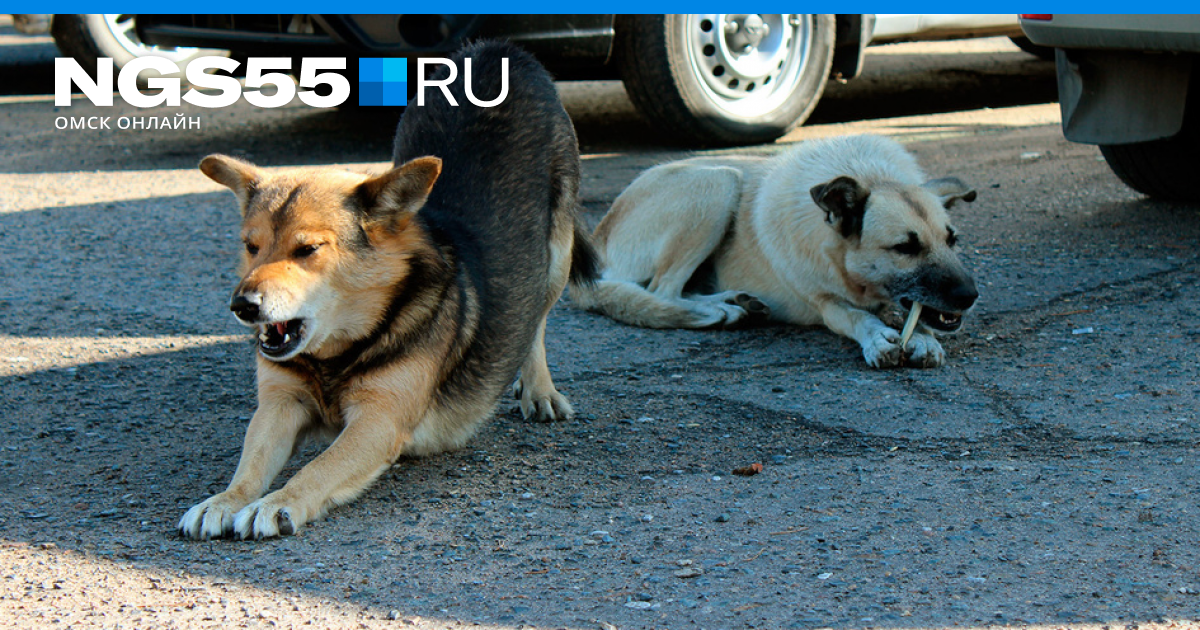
(382, 81)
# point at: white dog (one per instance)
(830, 232)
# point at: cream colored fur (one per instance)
(775, 251)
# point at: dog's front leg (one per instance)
(380, 419)
(880, 342)
(270, 440)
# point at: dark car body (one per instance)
(1130, 84)
(567, 45)
(704, 79)
(1122, 78)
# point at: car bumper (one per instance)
(1122, 79)
(1145, 33)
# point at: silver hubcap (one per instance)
(748, 64)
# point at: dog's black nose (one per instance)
(963, 295)
(245, 307)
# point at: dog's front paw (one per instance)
(268, 517)
(924, 351)
(882, 349)
(547, 406)
(212, 518)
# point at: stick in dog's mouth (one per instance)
(942, 321)
(910, 325)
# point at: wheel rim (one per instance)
(748, 64)
(122, 28)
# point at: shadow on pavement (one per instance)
(1022, 522)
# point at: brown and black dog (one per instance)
(393, 311)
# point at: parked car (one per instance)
(89, 37)
(1131, 84)
(708, 79)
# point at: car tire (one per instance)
(89, 37)
(1163, 169)
(725, 79)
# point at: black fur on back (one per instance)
(503, 172)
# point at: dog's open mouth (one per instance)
(279, 339)
(935, 319)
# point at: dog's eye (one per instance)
(252, 249)
(951, 237)
(911, 247)
(304, 251)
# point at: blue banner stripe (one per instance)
(621, 6)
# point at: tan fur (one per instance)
(342, 291)
(774, 249)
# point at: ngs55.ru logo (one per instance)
(211, 81)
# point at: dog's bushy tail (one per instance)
(630, 303)
(585, 261)
(622, 300)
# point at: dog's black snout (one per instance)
(963, 295)
(245, 307)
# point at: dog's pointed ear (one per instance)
(844, 201)
(950, 190)
(400, 191)
(237, 175)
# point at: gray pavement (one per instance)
(1045, 477)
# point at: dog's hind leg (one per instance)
(535, 390)
(571, 259)
(658, 233)
(755, 308)
(683, 215)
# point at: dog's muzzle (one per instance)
(946, 313)
(276, 340)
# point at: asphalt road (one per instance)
(1046, 476)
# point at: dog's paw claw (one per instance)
(549, 408)
(283, 522)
